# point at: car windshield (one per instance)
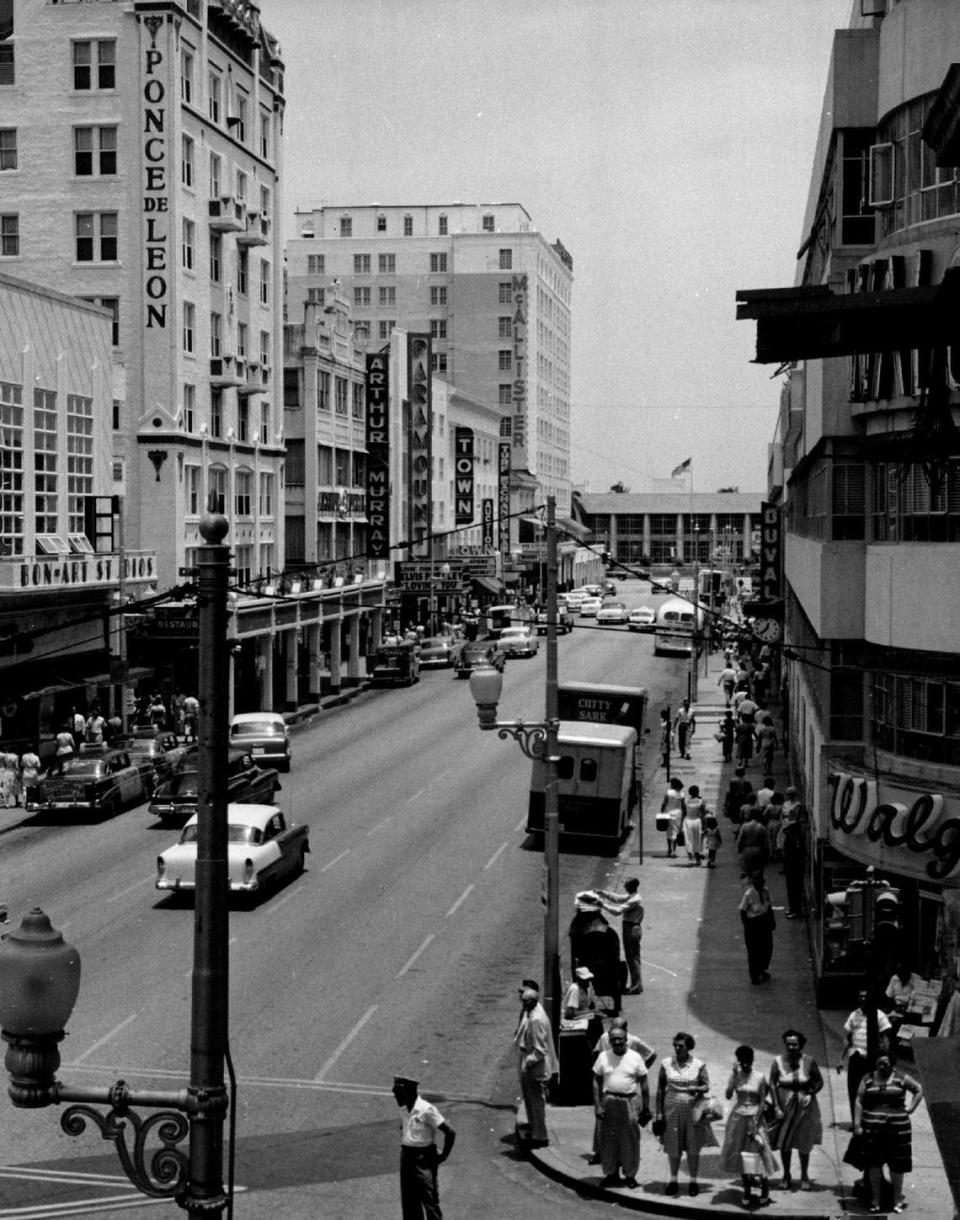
(257, 728)
(84, 768)
(184, 784)
(473, 651)
(235, 834)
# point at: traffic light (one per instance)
(886, 914)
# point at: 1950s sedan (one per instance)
(262, 849)
(98, 780)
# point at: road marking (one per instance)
(345, 1043)
(493, 859)
(654, 966)
(415, 796)
(130, 888)
(521, 825)
(409, 962)
(331, 863)
(459, 900)
(379, 826)
(288, 897)
(106, 1038)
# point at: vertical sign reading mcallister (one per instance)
(378, 455)
(156, 200)
(421, 411)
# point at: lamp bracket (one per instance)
(531, 736)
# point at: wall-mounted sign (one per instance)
(378, 455)
(486, 520)
(62, 571)
(503, 497)
(156, 213)
(418, 440)
(519, 393)
(770, 553)
(342, 503)
(463, 476)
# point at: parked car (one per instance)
(589, 607)
(99, 779)
(642, 618)
(247, 784)
(395, 664)
(436, 651)
(156, 749)
(613, 612)
(475, 653)
(262, 849)
(564, 621)
(594, 590)
(573, 598)
(264, 734)
(517, 642)
(609, 588)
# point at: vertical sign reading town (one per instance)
(503, 497)
(463, 452)
(378, 455)
(770, 547)
(418, 441)
(156, 201)
(519, 294)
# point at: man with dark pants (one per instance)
(629, 906)
(536, 1063)
(419, 1158)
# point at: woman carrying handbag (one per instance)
(746, 1151)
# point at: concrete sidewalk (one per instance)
(695, 979)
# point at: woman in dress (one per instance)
(756, 914)
(692, 824)
(683, 1081)
(882, 1116)
(674, 806)
(795, 1081)
(10, 781)
(745, 1131)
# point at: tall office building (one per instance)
(140, 169)
(483, 282)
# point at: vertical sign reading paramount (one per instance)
(463, 451)
(770, 558)
(503, 497)
(421, 410)
(378, 456)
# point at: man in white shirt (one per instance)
(619, 1075)
(629, 906)
(855, 1050)
(419, 1158)
(536, 1063)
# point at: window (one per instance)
(243, 420)
(357, 400)
(506, 294)
(215, 176)
(323, 391)
(191, 490)
(238, 120)
(361, 264)
(94, 64)
(189, 325)
(265, 134)
(504, 397)
(316, 296)
(241, 339)
(186, 161)
(438, 328)
(214, 96)
(315, 264)
(438, 294)
(94, 151)
(438, 262)
(8, 148)
(265, 348)
(442, 225)
(503, 360)
(216, 425)
(216, 257)
(388, 296)
(11, 469)
(387, 264)
(361, 296)
(503, 328)
(96, 237)
(79, 459)
(264, 282)
(113, 305)
(189, 407)
(264, 423)
(7, 76)
(9, 233)
(408, 226)
(266, 494)
(340, 390)
(216, 334)
(189, 240)
(265, 200)
(438, 362)
(217, 478)
(45, 461)
(186, 76)
(506, 260)
(243, 265)
(487, 222)
(385, 327)
(346, 226)
(241, 189)
(381, 224)
(325, 465)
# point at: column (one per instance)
(375, 638)
(336, 625)
(353, 649)
(290, 662)
(647, 537)
(265, 655)
(681, 555)
(313, 638)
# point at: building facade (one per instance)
(483, 282)
(866, 469)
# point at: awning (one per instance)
(32, 679)
(489, 584)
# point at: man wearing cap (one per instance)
(629, 906)
(419, 1158)
(536, 1063)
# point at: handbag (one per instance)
(663, 821)
(772, 1124)
(856, 1153)
(707, 1110)
(658, 1127)
(681, 838)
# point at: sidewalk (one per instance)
(695, 979)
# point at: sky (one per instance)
(666, 143)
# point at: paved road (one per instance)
(399, 950)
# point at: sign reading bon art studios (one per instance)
(378, 455)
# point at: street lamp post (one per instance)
(40, 975)
(538, 739)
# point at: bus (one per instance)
(678, 620)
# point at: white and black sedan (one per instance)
(613, 612)
(263, 848)
(642, 618)
(517, 642)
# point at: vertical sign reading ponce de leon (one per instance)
(378, 455)
(421, 409)
(156, 199)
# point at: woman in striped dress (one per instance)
(683, 1082)
(881, 1114)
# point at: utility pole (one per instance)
(551, 810)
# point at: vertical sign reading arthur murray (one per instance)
(421, 410)
(156, 201)
(378, 456)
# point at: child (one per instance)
(711, 839)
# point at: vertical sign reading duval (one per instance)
(770, 559)
(463, 451)
(503, 497)
(519, 293)
(378, 455)
(418, 442)
(155, 199)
